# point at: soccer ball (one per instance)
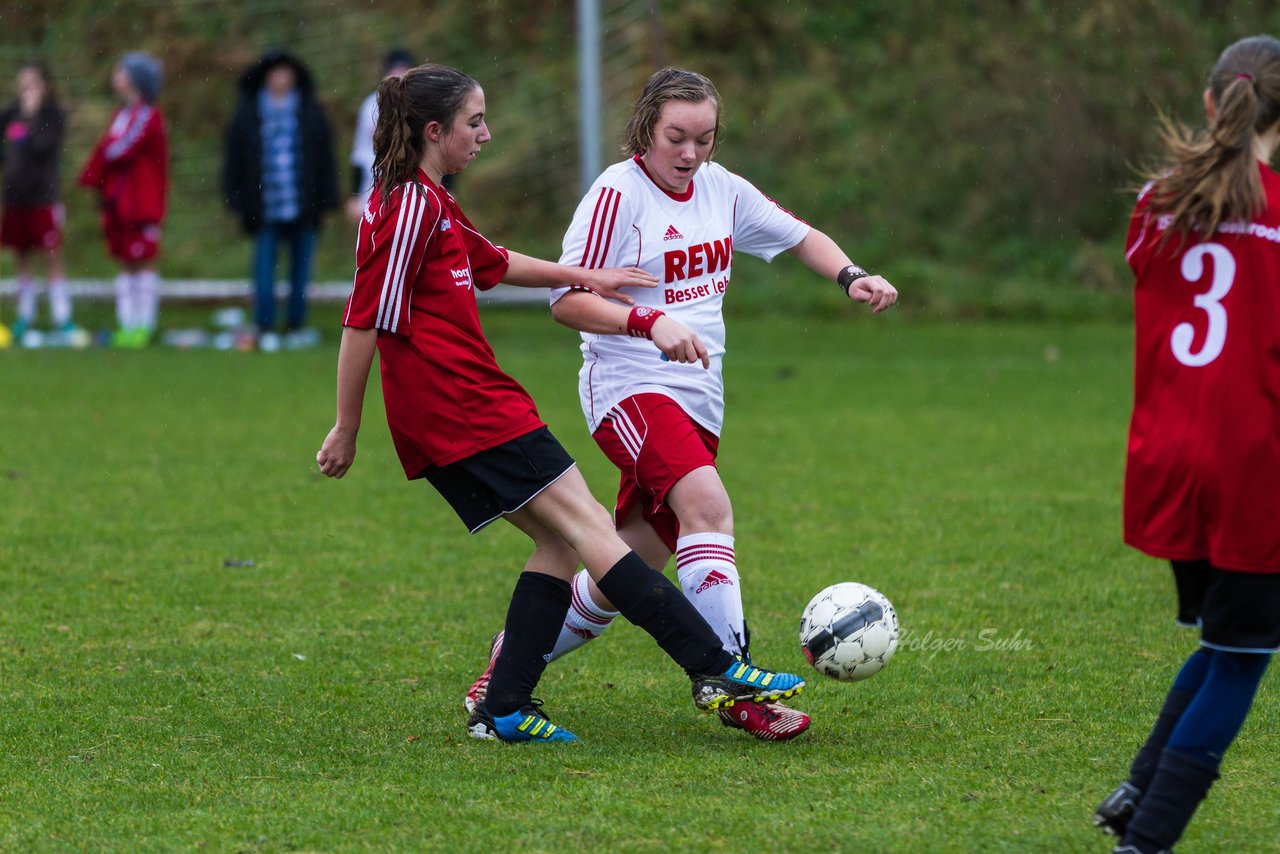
(849, 631)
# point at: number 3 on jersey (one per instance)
(1224, 274)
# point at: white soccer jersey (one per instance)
(626, 220)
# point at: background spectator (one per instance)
(395, 63)
(279, 176)
(32, 218)
(129, 167)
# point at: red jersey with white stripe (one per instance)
(418, 263)
(129, 166)
(1204, 442)
(626, 220)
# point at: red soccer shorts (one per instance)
(26, 229)
(131, 241)
(654, 443)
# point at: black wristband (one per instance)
(849, 275)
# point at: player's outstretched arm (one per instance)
(587, 312)
(354, 358)
(820, 253)
(527, 272)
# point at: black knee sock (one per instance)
(1180, 783)
(534, 617)
(1183, 691)
(647, 598)
(1144, 763)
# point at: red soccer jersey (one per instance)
(418, 261)
(1203, 473)
(130, 166)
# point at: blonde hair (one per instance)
(1210, 175)
(669, 84)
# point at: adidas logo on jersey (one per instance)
(445, 224)
(672, 234)
(713, 578)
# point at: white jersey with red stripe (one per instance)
(687, 241)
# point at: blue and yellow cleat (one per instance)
(527, 724)
(743, 681)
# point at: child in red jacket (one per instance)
(129, 168)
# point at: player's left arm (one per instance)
(587, 312)
(142, 130)
(528, 272)
(821, 254)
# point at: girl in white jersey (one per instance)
(651, 383)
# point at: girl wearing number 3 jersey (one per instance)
(651, 383)
(1204, 443)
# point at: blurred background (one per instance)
(979, 152)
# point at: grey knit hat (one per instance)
(146, 73)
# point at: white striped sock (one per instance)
(708, 574)
(585, 621)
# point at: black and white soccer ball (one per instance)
(849, 631)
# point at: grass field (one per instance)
(206, 645)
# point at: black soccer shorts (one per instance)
(488, 484)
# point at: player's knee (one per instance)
(552, 550)
(597, 518)
(702, 504)
(710, 515)
(579, 518)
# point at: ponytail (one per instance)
(1211, 176)
(397, 152)
(406, 105)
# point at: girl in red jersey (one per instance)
(651, 384)
(1204, 442)
(129, 167)
(461, 423)
(32, 217)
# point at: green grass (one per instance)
(158, 693)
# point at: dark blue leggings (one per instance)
(1223, 684)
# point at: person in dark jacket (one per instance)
(31, 217)
(280, 177)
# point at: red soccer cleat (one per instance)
(480, 687)
(766, 721)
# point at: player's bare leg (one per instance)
(707, 568)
